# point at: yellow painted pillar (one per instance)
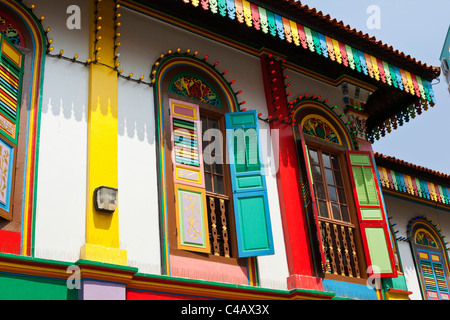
(102, 229)
(393, 294)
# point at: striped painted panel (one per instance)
(186, 142)
(440, 277)
(9, 88)
(428, 276)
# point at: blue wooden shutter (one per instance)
(251, 207)
(371, 214)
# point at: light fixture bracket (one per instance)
(105, 199)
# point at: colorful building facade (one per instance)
(172, 150)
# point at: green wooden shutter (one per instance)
(189, 184)
(251, 207)
(11, 74)
(371, 215)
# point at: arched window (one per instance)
(11, 74)
(22, 55)
(213, 209)
(342, 198)
(431, 259)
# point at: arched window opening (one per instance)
(431, 259)
(342, 199)
(22, 55)
(215, 210)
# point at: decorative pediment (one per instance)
(193, 86)
(318, 127)
(10, 30)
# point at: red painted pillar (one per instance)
(298, 249)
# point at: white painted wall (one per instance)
(402, 211)
(72, 41)
(61, 185)
(138, 187)
(301, 84)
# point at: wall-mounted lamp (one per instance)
(105, 199)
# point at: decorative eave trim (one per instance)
(291, 31)
(414, 187)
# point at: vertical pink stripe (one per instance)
(416, 84)
(416, 191)
(302, 35)
(255, 16)
(343, 54)
(205, 4)
(381, 70)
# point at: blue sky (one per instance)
(417, 28)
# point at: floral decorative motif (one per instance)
(425, 239)
(193, 222)
(286, 29)
(9, 30)
(4, 172)
(194, 87)
(319, 129)
(192, 218)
